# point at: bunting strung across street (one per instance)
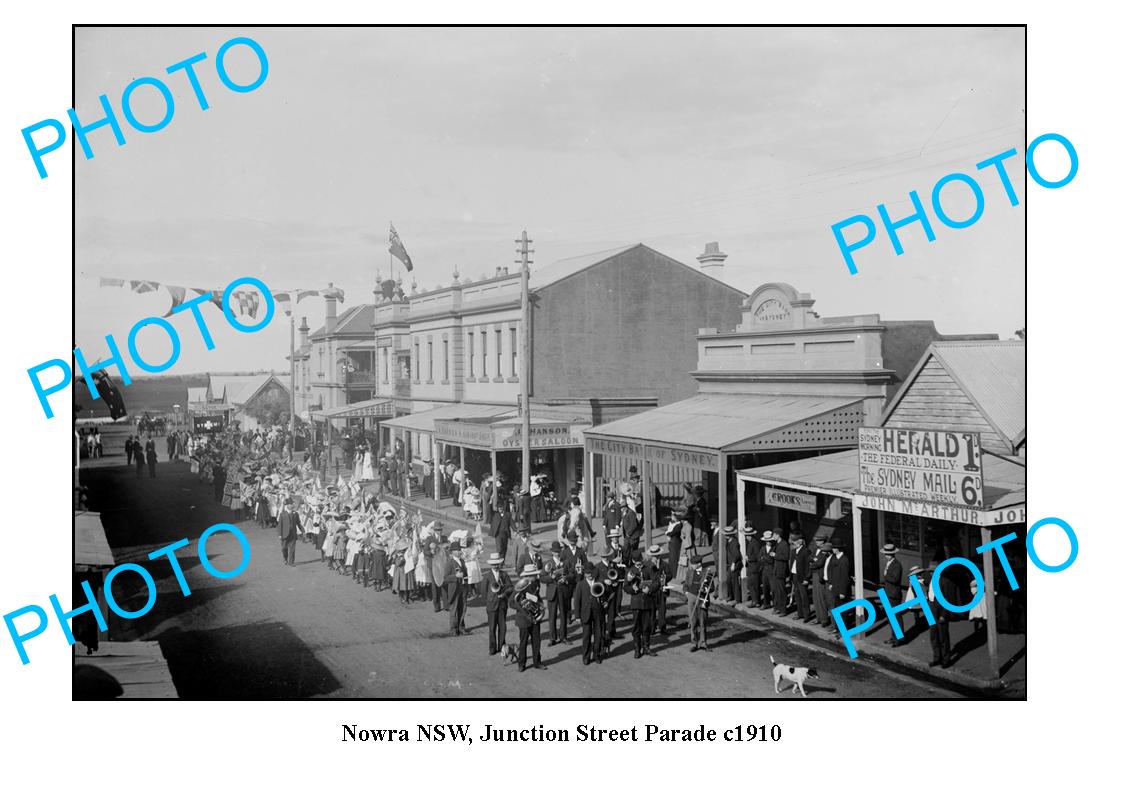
(247, 302)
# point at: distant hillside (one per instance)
(157, 394)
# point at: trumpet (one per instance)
(597, 589)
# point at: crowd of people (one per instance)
(360, 534)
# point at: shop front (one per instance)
(494, 445)
(928, 504)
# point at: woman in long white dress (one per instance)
(471, 558)
(368, 466)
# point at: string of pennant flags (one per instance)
(247, 302)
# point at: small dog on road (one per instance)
(507, 652)
(793, 674)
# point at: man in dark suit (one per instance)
(530, 631)
(819, 583)
(497, 591)
(892, 581)
(638, 583)
(523, 510)
(836, 574)
(591, 613)
(752, 567)
(631, 530)
(697, 615)
(801, 576)
(701, 518)
(613, 589)
(658, 574)
(781, 554)
(527, 551)
(573, 555)
(456, 588)
(129, 451)
(734, 560)
(288, 527)
(150, 455)
(938, 633)
(558, 578)
(611, 518)
(501, 530)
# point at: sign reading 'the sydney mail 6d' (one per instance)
(911, 464)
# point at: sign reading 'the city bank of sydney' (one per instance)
(911, 464)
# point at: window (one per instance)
(483, 353)
(429, 351)
(445, 344)
(471, 355)
(498, 353)
(386, 367)
(514, 350)
(417, 361)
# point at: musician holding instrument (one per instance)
(559, 577)
(589, 606)
(497, 590)
(639, 583)
(528, 616)
(610, 572)
(698, 585)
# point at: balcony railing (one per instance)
(362, 377)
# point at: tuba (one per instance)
(495, 588)
(597, 589)
(612, 575)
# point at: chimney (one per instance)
(329, 312)
(303, 331)
(712, 261)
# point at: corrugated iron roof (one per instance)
(560, 269)
(993, 372)
(719, 421)
(423, 422)
(91, 548)
(1004, 481)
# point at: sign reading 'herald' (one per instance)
(913, 464)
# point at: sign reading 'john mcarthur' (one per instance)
(934, 466)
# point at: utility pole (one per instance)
(525, 251)
(292, 384)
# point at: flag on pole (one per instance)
(398, 250)
(284, 298)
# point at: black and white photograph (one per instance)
(551, 362)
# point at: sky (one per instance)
(588, 138)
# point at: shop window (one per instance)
(902, 530)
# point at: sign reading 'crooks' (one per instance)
(933, 466)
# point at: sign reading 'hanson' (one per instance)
(910, 464)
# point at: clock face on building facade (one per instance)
(771, 310)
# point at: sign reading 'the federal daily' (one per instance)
(911, 464)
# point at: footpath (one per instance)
(968, 672)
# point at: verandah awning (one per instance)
(374, 407)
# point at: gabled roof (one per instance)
(353, 320)
(992, 373)
(196, 395)
(240, 390)
(563, 269)
(560, 269)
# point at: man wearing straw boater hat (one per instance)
(526, 596)
(497, 589)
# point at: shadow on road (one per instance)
(257, 661)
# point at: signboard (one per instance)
(683, 458)
(610, 447)
(943, 467)
(377, 409)
(796, 501)
(209, 424)
(958, 514)
(548, 435)
(508, 437)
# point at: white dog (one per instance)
(793, 674)
(507, 651)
